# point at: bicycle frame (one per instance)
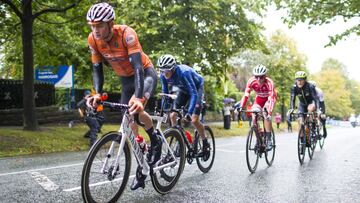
(127, 133)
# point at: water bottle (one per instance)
(142, 144)
(188, 136)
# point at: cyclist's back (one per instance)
(185, 78)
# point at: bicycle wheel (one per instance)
(270, 153)
(301, 145)
(102, 186)
(312, 139)
(205, 160)
(252, 150)
(165, 179)
(321, 136)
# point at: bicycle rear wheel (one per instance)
(301, 145)
(99, 185)
(252, 150)
(205, 160)
(165, 179)
(270, 153)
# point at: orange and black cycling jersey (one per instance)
(123, 43)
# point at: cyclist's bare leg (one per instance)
(268, 125)
(198, 125)
(173, 117)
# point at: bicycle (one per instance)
(307, 137)
(108, 163)
(257, 142)
(194, 147)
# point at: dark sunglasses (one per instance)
(259, 77)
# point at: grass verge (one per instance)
(59, 138)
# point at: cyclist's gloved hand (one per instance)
(93, 101)
(187, 117)
(136, 105)
(318, 112)
(239, 109)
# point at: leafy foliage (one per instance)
(323, 12)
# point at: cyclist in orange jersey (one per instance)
(120, 47)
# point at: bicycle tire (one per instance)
(201, 160)
(271, 160)
(87, 193)
(311, 149)
(170, 181)
(249, 141)
(321, 136)
(301, 145)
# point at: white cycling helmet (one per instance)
(101, 12)
(166, 62)
(260, 70)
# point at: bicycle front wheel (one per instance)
(166, 178)
(270, 151)
(205, 160)
(252, 150)
(321, 136)
(312, 139)
(301, 145)
(98, 182)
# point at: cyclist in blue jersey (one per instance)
(191, 89)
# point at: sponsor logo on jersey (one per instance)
(130, 39)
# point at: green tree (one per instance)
(26, 16)
(323, 12)
(336, 95)
(354, 87)
(334, 64)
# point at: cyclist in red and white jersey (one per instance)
(265, 95)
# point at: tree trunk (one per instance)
(29, 116)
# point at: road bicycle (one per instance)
(204, 159)
(307, 137)
(108, 163)
(257, 142)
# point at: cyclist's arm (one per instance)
(322, 107)
(136, 63)
(96, 59)
(247, 93)
(165, 89)
(314, 95)
(98, 77)
(192, 91)
(272, 96)
(292, 97)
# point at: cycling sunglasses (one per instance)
(260, 77)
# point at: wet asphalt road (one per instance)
(332, 176)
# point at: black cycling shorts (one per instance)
(128, 85)
(183, 98)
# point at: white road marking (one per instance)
(96, 184)
(229, 144)
(105, 182)
(40, 169)
(44, 181)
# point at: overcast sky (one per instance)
(311, 42)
